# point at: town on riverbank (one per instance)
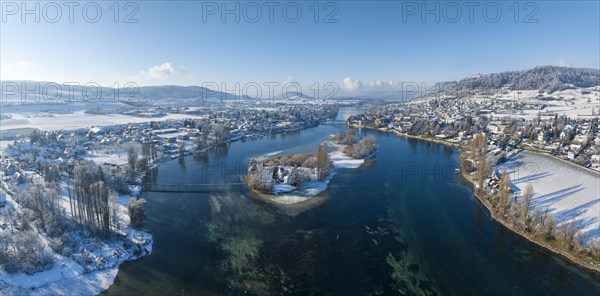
(71, 201)
(522, 149)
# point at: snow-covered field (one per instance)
(570, 192)
(113, 158)
(569, 102)
(75, 120)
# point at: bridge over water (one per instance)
(192, 188)
(334, 122)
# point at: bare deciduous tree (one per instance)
(567, 234)
(504, 201)
(527, 195)
(131, 156)
(181, 149)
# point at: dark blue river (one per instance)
(403, 223)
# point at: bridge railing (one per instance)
(191, 188)
(334, 122)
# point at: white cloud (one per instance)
(164, 71)
(562, 63)
(351, 84)
(161, 71)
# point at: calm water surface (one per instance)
(403, 223)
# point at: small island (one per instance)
(295, 178)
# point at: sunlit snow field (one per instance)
(570, 192)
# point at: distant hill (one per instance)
(106, 94)
(545, 78)
(294, 96)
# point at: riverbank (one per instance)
(582, 260)
(578, 259)
(462, 252)
(91, 265)
(96, 264)
(406, 135)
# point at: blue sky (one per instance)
(373, 42)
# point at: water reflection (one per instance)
(181, 162)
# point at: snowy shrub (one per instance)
(28, 255)
(141, 164)
(310, 162)
(5, 241)
(548, 227)
(593, 248)
(54, 223)
(345, 138)
(137, 212)
(566, 233)
(361, 149)
(289, 160)
(129, 175)
(56, 245)
(261, 179)
(116, 180)
(26, 219)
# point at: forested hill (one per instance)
(545, 78)
(16, 90)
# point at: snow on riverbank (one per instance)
(97, 264)
(569, 192)
(267, 156)
(341, 160)
(306, 192)
(67, 277)
(63, 282)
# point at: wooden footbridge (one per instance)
(334, 122)
(192, 188)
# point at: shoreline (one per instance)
(68, 276)
(101, 280)
(579, 260)
(291, 209)
(575, 259)
(405, 135)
